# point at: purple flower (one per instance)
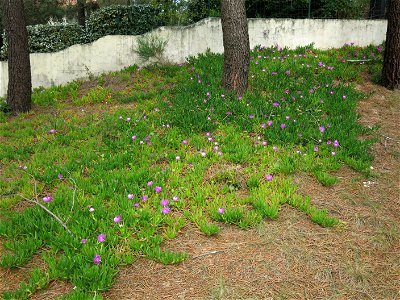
(274, 73)
(328, 142)
(157, 189)
(175, 198)
(47, 199)
(83, 241)
(221, 210)
(263, 125)
(136, 204)
(275, 148)
(269, 177)
(316, 148)
(134, 137)
(283, 126)
(117, 219)
(219, 153)
(145, 197)
(164, 202)
(185, 142)
(130, 196)
(165, 210)
(60, 176)
(336, 144)
(287, 72)
(269, 123)
(150, 183)
(333, 153)
(344, 97)
(52, 131)
(322, 129)
(97, 259)
(276, 104)
(101, 238)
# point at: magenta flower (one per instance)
(275, 148)
(283, 126)
(134, 137)
(136, 204)
(321, 129)
(165, 210)
(344, 97)
(130, 196)
(47, 199)
(333, 153)
(175, 198)
(178, 158)
(164, 202)
(269, 123)
(276, 104)
(316, 148)
(269, 177)
(219, 153)
(158, 189)
(263, 125)
(336, 144)
(97, 259)
(145, 197)
(150, 183)
(83, 241)
(185, 142)
(101, 238)
(53, 131)
(60, 176)
(221, 210)
(117, 219)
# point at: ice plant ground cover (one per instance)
(108, 171)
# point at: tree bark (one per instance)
(19, 67)
(391, 60)
(81, 13)
(236, 46)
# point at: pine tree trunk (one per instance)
(391, 61)
(236, 46)
(19, 67)
(81, 12)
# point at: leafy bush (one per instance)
(51, 38)
(150, 46)
(124, 20)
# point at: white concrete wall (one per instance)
(113, 53)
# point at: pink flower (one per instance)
(185, 142)
(52, 131)
(97, 259)
(178, 158)
(164, 202)
(221, 210)
(175, 198)
(145, 197)
(47, 199)
(269, 177)
(83, 241)
(101, 238)
(269, 123)
(165, 210)
(158, 189)
(130, 196)
(321, 129)
(117, 219)
(150, 183)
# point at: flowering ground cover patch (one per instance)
(111, 172)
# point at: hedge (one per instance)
(111, 20)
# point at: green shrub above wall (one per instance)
(123, 20)
(111, 20)
(45, 38)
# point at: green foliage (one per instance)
(123, 20)
(50, 38)
(150, 46)
(176, 134)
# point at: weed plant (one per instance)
(125, 170)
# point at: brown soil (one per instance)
(291, 257)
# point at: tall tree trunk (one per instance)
(19, 67)
(236, 46)
(81, 12)
(391, 61)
